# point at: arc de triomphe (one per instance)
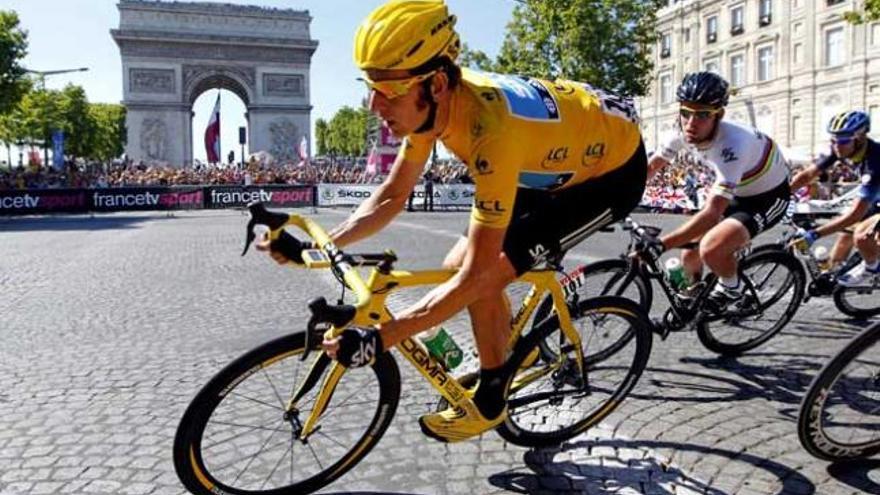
(172, 52)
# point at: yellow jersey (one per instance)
(516, 131)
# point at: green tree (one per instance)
(601, 42)
(475, 59)
(347, 132)
(110, 134)
(871, 12)
(76, 121)
(321, 131)
(13, 48)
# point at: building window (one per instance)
(833, 2)
(796, 28)
(797, 53)
(765, 63)
(665, 88)
(795, 125)
(712, 66)
(736, 20)
(712, 29)
(834, 47)
(686, 34)
(765, 12)
(737, 70)
(665, 45)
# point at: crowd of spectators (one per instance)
(126, 174)
(684, 183)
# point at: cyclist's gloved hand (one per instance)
(653, 246)
(285, 248)
(804, 239)
(356, 347)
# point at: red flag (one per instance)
(212, 134)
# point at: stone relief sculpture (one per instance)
(153, 139)
(283, 135)
(282, 85)
(151, 80)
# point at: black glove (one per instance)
(653, 246)
(359, 347)
(290, 247)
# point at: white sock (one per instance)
(730, 282)
(873, 267)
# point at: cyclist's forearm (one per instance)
(370, 217)
(439, 305)
(698, 225)
(849, 218)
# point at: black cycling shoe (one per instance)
(722, 298)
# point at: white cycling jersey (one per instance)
(746, 162)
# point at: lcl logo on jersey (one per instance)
(555, 157)
(592, 154)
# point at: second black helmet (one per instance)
(705, 88)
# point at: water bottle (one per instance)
(675, 274)
(443, 347)
(820, 254)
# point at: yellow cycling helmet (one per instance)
(405, 34)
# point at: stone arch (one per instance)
(172, 52)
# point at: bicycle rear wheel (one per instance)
(601, 278)
(774, 288)
(235, 436)
(551, 402)
(839, 417)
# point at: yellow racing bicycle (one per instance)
(282, 419)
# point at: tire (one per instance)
(598, 279)
(847, 387)
(224, 443)
(557, 392)
(774, 281)
(855, 302)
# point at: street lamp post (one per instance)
(41, 76)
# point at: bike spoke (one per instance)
(258, 401)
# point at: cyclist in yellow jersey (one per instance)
(552, 163)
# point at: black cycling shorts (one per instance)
(548, 223)
(762, 211)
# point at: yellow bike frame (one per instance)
(371, 310)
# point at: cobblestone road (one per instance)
(111, 324)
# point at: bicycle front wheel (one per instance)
(839, 418)
(774, 288)
(238, 437)
(551, 402)
(858, 302)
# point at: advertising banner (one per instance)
(239, 196)
(44, 201)
(445, 195)
(145, 198)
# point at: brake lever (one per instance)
(261, 216)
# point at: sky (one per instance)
(67, 34)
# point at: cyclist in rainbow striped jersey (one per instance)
(750, 193)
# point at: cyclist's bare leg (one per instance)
(719, 246)
(693, 265)
(490, 316)
(866, 239)
(842, 247)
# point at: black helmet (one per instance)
(705, 88)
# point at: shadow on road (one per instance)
(857, 474)
(643, 475)
(79, 222)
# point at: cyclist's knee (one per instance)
(455, 258)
